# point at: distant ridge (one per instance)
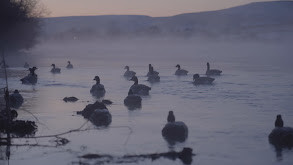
(259, 20)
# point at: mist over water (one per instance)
(228, 121)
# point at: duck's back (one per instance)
(55, 70)
(181, 72)
(213, 72)
(140, 89)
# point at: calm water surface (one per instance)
(228, 121)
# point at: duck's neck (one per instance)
(97, 81)
(127, 69)
(135, 82)
(150, 67)
(178, 67)
(53, 66)
(208, 66)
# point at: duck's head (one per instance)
(279, 117)
(195, 76)
(170, 112)
(178, 66)
(53, 65)
(126, 67)
(68, 62)
(34, 68)
(97, 78)
(208, 64)
(16, 91)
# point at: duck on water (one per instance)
(281, 136)
(152, 72)
(69, 65)
(98, 89)
(174, 131)
(212, 72)
(180, 72)
(153, 77)
(31, 78)
(54, 69)
(128, 73)
(197, 80)
(139, 89)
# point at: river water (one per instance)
(229, 121)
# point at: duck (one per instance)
(180, 72)
(152, 72)
(98, 89)
(202, 80)
(279, 121)
(15, 99)
(26, 65)
(31, 78)
(69, 65)
(97, 113)
(139, 89)
(281, 136)
(174, 131)
(152, 78)
(54, 69)
(212, 72)
(171, 117)
(132, 100)
(128, 73)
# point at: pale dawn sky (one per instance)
(153, 8)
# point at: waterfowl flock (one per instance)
(173, 131)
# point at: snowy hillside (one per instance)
(261, 20)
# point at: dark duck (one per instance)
(174, 131)
(152, 78)
(139, 89)
(128, 73)
(69, 65)
(98, 89)
(197, 80)
(31, 78)
(212, 72)
(281, 136)
(54, 69)
(180, 72)
(152, 72)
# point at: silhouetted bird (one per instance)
(152, 72)
(98, 89)
(180, 72)
(54, 69)
(128, 72)
(69, 65)
(139, 89)
(171, 117)
(212, 72)
(279, 122)
(202, 80)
